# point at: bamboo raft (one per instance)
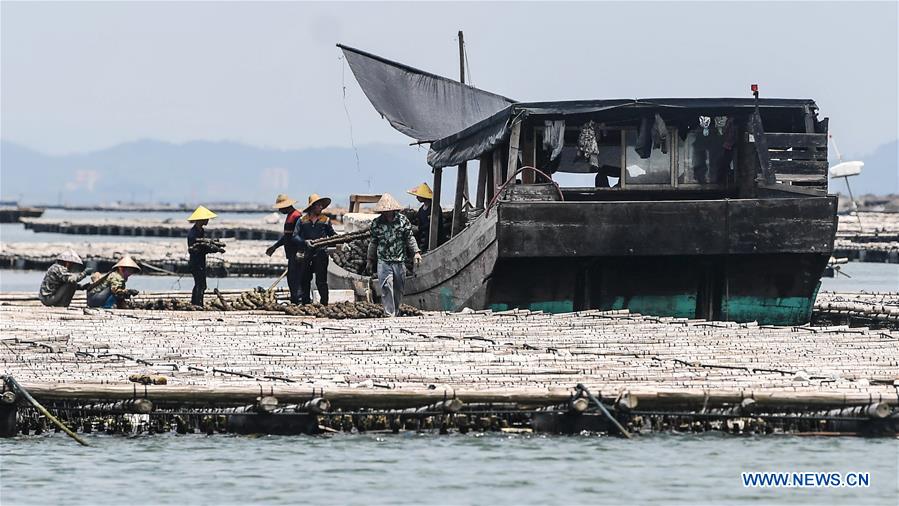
(868, 237)
(515, 370)
(872, 309)
(10, 214)
(243, 258)
(234, 229)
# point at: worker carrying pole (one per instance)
(197, 248)
(284, 205)
(313, 260)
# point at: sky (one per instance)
(77, 77)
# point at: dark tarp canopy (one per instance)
(481, 138)
(421, 105)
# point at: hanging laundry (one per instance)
(726, 155)
(660, 134)
(587, 146)
(643, 146)
(705, 122)
(553, 138)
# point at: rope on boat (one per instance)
(512, 178)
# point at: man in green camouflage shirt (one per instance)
(391, 240)
(61, 280)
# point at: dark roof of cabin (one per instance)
(480, 137)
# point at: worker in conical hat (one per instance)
(197, 249)
(61, 280)
(109, 291)
(391, 243)
(285, 205)
(313, 261)
(424, 195)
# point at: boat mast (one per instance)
(462, 176)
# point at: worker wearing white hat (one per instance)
(61, 280)
(391, 242)
(109, 291)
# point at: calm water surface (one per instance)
(431, 469)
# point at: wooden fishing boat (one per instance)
(697, 208)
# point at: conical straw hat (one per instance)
(283, 201)
(126, 261)
(422, 190)
(69, 256)
(202, 214)
(315, 198)
(387, 203)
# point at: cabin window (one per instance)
(702, 154)
(603, 170)
(649, 167)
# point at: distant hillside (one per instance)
(880, 175)
(153, 171)
(202, 171)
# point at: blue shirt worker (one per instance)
(313, 261)
(425, 196)
(109, 291)
(391, 242)
(284, 205)
(197, 250)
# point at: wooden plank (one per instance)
(528, 176)
(498, 171)
(803, 178)
(799, 167)
(797, 225)
(817, 154)
(461, 179)
(798, 140)
(564, 229)
(484, 168)
(435, 210)
(514, 150)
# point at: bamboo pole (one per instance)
(24, 393)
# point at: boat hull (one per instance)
(739, 260)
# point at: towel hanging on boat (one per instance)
(587, 146)
(652, 134)
(554, 138)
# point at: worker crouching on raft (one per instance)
(391, 240)
(425, 196)
(109, 290)
(284, 205)
(313, 261)
(61, 280)
(197, 249)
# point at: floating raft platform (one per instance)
(243, 258)
(513, 370)
(868, 237)
(871, 309)
(235, 229)
(15, 214)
